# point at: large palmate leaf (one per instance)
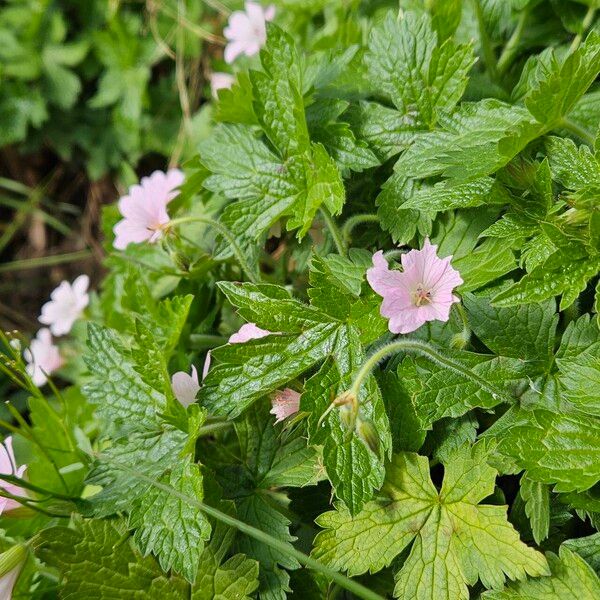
(454, 540)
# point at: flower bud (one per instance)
(368, 434)
(12, 558)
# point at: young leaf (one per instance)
(537, 507)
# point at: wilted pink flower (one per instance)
(8, 466)
(42, 357)
(247, 31)
(144, 209)
(284, 404)
(421, 292)
(220, 81)
(185, 387)
(66, 304)
(247, 332)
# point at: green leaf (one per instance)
(169, 527)
(232, 579)
(536, 496)
(533, 325)
(588, 548)
(444, 196)
(563, 272)
(556, 94)
(148, 452)
(405, 63)
(270, 458)
(559, 448)
(118, 392)
(96, 560)
(437, 392)
(571, 577)
(386, 131)
(277, 91)
(455, 540)
(578, 360)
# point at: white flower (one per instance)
(7, 582)
(247, 30)
(220, 81)
(185, 387)
(66, 304)
(42, 357)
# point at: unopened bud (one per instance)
(12, 558)
(460, 340)
(368, 434)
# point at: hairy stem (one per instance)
(334, 230)
(352, 586)
(355, 220)
(244, 264)
(432, 354)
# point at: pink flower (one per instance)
(220, 81)
(144, 209)
(421, 292)
(7, 582)
(8, 466)
(284, 404)
(66, 304)
(247, 31)
(247, 332)
(42, 357)
(185, 387)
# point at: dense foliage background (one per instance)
(464, 464)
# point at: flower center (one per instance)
(421, 295)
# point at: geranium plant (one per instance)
(351, 348)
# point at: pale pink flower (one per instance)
(247, 30)
(220, 81)
(284, 404)
(247, 332)
(144, 209)
(185, 387)
(7, 582)
(66, 304)
(8, 466)
(42, 357)
(421, 292)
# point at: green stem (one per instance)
(577, 130)
(429, 352)
(355, 220)
(486, 45)
(259, 535)
(248, 270)
(212, 427)
(508, 54)
(587, 21)
(45, 261)
(335, 232)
